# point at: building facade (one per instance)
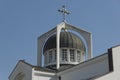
(65, 53)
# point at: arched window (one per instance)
(78, 55)
(64, 54)
(72, 55)
(50, 56)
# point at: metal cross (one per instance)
(64, 12)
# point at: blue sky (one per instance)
(22, 21)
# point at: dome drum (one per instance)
(67, 57)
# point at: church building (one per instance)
(65, 53)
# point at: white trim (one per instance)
(59, 28)
(32, 78)
(43, 73)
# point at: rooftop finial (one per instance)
(64, 12)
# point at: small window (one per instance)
(55, 55)
(50, 56)
(64, 54)
(78, 56)
(46, 58)
(59, 77)
(72, 56)
(19, 76)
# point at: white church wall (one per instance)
(87, 70)
(115, 74)
(23, 69)
(116, 58)
(39, 75)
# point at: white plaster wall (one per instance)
(87, 70)
(115, 75)
(39, 75)
(25, 69)
(42, 78)
(116, 58)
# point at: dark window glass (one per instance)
(72, 56)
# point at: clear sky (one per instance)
(22, 21)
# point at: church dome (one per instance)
(67, 40)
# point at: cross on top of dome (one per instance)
(64, 12)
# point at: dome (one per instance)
(67, 40)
